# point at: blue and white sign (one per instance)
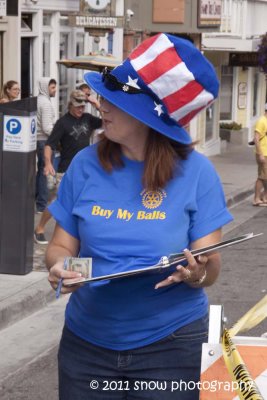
(33, 126)
(19, 134)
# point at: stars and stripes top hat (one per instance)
(164, 83)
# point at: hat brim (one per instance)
(140, 106)
(78, 104)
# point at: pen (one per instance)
(58, 289)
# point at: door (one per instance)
(26, 67)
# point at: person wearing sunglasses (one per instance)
(10, 92)
(71, 133)
(141, 193)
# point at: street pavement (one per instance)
(27, 302)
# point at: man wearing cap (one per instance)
(71, 133)
(260, 140)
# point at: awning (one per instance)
(91, 62)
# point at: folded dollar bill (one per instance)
(82, 265)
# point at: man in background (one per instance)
(45, 123)
(260, 139)
(71, 133)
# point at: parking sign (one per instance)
(19, 134)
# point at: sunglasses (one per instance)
(112, 83)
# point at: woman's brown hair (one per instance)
(161, 157)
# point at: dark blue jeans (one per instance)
(165, 370)
(41, 191)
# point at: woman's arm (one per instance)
(202, 270)
(61, 246)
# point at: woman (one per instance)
(140, 193)
(10, 92)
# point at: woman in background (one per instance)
(10, 92)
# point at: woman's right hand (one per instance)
(57, 272)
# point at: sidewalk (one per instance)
(238, 171)
(23, 295)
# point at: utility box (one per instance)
(18, 127)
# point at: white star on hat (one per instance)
(132, 82)
(158, 108)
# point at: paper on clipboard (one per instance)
(164, 263)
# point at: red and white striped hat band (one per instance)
(174, 79)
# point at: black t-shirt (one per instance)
(72, 134)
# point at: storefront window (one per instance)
(79, 52)
(209, 122)
(255, 94)
(63, 101)
(63, 53)
(46, 54)
(95, 44)
(1, 61)
(110, 42)
(63, 73)
(26, 22)
(64, 20)
(47, 19)
(226, 93)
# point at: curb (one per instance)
(239, 196)
(27, 301)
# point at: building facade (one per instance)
(42, 33)
(36, 34)
(234, 52)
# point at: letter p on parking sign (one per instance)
(13, 126)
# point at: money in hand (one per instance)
(82, 265)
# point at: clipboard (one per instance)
(167, 261)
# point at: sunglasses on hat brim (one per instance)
(112, 83)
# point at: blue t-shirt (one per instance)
(122, 226)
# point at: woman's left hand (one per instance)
(192, 274)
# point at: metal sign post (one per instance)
(17, 185)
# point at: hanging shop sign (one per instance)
(169, 11)
(209, 13)
(245, 59)
(89, 21)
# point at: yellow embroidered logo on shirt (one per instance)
(152, 199)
